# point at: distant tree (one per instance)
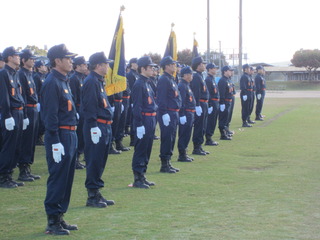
(156, 57)
(36, 50)
(309, 59)
(185, 56)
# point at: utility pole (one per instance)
(240, 37)
(208, 31)
(220, 62)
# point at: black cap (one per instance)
(98, 58)
(185, 70)
(166, 61)
(259, 67)
(79, 61)
(9, 51)
(245, 66)
(39, 63)
(197, 61)
(27, 54)
(211, 65)
(145, 61)
(60, 51)
(133, 60)
(226, 68)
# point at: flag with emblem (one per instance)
(195, 52)
(116, 76)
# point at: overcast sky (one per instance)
(272, 30)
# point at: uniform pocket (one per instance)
(69, 106)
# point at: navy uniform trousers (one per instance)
(260, 104)
(231, 110)
(116, 119)
(168, 135)
(59, 183)
(29, 136)
(245, 106)
(200, 124)
(80, 148)
(123, 119)
(212, 119)
(185, 131)
(251, 103)
(96, 155)
(224, 116)
(143, 146)
(11, 143)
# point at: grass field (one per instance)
(264, 184)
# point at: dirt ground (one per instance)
(292, 94)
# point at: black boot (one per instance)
(172, 167)
(39, 141)
(78, 164)
(139, 181)
(102, 199)
(120, 147)
(54, 227)
(65, 225)
(210, 142)
(5, 182)
(94, 199)
(9, 176)
(165, 168)
(183, 157)
(206, 152)
(197, 150)
(229, 132)
(24, 176)
(245, 124)
(251, 122)
(112, 149)
(224, 135)
(258, 118)
(145, 180)
(131, 141)
(35, 177)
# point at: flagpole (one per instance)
(208, 31)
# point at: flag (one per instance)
(195, 52)
(116, 76)
(171, 49)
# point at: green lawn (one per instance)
(264, 184)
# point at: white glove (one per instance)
(183, 120)
(38, 107)
(122, 108)
(95, 134)
(244, 97)
(198, 110)
(210, 109)
(222, 107)
(112, 109)
(25, 123)
(9, 122)
(140, 132)
(57, 151)
(131, 105)
(77, 115)
(166, 119)
(259, 96)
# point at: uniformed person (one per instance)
(169, 102)
(260, 84)
(144, 121)
(153, 81)
(80, 67)
(201, 95)
(13, 117)
(253, 96)
(226, 94)
(2, 63)
(228, 131)
(59, 116)
(39, 76)
(186, 114)
(213, 110)
(97, 130)
(132, 76)
(30, 134)
(246, 88)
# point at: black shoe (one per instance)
(79, 165)
(211, 143)
(94, 199)
(156, 137)
(259, 119)
(230, 133)
(167, 169)
(191, 158)
(25, 178)
(120, 147)
(108, 202)
(149, 183)
(206, 152)
(67, 226)
(184, 158)
(225, 137)
(6, 183)
(114, 151)
(19, 184)
(35, 177)
(54, 227)
(198, 151)
(140, 184)
(251, 122)
(245, 124)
